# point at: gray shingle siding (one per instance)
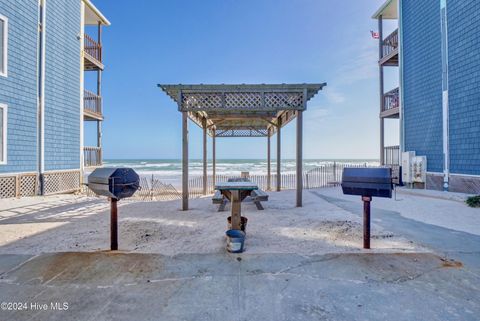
(19, 89)
(422, 74)
(62, 85)
(464, 81)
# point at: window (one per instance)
(3, 45)
(3, 134)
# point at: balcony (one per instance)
(391, 104)
(92, 106)
(92, 54)
(92, 156)
(390, 50)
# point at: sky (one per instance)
(248, 41)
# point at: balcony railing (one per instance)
(93, 48)
(92, 103)
(92, 156)
(390, 44)
(391, 99)
(391, 155)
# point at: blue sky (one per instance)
(248, 41)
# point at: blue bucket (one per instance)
(235, 241)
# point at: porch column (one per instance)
(214, 158)
(382, 122)
(184, 157)
(99, 161)
(205, 174)
(299, 157)
(269, 174)
(279, 138)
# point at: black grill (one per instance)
(116, 183)
(367, 182)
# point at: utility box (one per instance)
(419, 169)
(407, 167)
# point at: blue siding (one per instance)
(464, 80)
(422, 77)
(62, 85)
(19, 89)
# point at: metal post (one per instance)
(184, 161)
(214, 158)
(299, 159)
(279, 154)
(205, 174)
(366, 221)
(269, 174)
(99, 94)
(113, 225)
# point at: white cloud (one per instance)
(333, 95)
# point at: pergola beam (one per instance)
(242, 111)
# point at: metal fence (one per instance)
(323, 176)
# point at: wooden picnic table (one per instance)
(236, 192)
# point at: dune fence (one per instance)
(153, 189)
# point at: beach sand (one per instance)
(76, 223)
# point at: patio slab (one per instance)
(128, 286)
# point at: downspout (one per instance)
(400, 66)
(445, 96)
(82, 85)
(41, 95)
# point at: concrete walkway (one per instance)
(103, 286)
(442, 285)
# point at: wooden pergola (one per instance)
(242, 111)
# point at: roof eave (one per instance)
(382, 11)
(101, 18)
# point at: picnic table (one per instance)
(236, 192)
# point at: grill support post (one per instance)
(366, 221)
(113, 225)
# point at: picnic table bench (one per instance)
(257, 195)
(236, 192)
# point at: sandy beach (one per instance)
(78, 223)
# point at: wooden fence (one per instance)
(153, 189)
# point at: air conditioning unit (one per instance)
(407, 166)
(419, 169)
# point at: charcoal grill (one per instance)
(367, 183)
(116, 184)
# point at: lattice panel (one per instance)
(242, 133)
(284, 100)
(243, 100)
(201, 101)
(7, 186)
(57, 182)
(28, 185)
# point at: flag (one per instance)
(375, 35)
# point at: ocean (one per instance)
(170, 170)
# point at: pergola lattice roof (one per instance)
(242, 110)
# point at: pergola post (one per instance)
(205, 174)
(184, 158)
(279, 154)
(214, 158)
(269, 174)
(299, 157)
